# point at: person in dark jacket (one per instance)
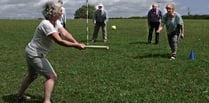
(154, 17)
(100, 19)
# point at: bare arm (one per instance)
(160, 28)
(70, 43)
(182, 31)
(67, 35)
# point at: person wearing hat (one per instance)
(100, 19)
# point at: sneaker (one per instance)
(23, 98)
(173, 57)
(93, 41)
(104, 41)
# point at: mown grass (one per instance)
(130, 72)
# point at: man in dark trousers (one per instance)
(100, 20)
(154, 18)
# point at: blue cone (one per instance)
(191, 56)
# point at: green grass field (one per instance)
(130, 72)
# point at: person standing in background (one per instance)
(100, 19)
(63, 18)
(154, 17)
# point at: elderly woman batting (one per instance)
(46, 33)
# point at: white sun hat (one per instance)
(100, 4)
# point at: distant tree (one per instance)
(81, 12)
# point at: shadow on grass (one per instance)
(151, 56)
(12, 99)
(90, 41)
(84, 41)
(138, 42)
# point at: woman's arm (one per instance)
(68, 43)
(182, 31)
(160, 28)
(67, 35)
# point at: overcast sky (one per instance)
(115, 8)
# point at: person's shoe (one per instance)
(172, 57)
(93, 41)
(23, 98)
(104, 41)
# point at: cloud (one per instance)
(123, 8)
(115, 8)
(126, 8)
(18, 9)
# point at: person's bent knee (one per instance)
(51, 76)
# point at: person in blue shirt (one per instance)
(154, 17)
(174, 27)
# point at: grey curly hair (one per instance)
(50, 9)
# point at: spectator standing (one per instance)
(154, 17)
(63, 18)
(100, 19)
